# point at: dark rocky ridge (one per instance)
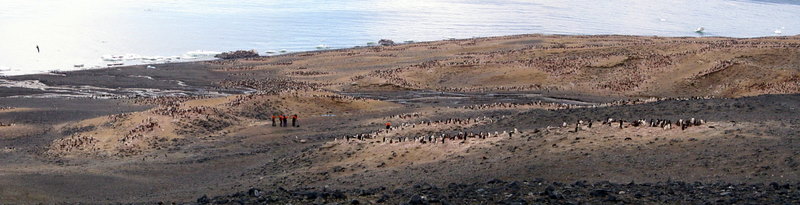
(535, 191)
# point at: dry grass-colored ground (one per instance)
(131, 134)
(619, 65)
(711, 152)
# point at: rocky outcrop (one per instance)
(386, 42)
(237, 54)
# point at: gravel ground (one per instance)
(535, 191)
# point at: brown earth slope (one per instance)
(184, 130)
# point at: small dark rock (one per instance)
(423, 186)
(598, 193)
(338, 169)
(383, 198)
(551, 192)
(416, 200)
(203, 200)
(612, 198)
(366, 192)
(309, 195)
(513, 186)
(495, 181)
(338, 195)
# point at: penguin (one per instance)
(576, 126)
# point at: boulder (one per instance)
(386, 42)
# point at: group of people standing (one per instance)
(284, 120)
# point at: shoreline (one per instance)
(402, 43)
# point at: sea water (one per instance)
(81, 34)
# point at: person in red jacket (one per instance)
(273, 120)
(388, 125)
(294, 121)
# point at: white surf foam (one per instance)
(115, 60)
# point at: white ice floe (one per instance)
(201, 53)
(111, 57)
(700, 30)
(115, 60)
(779, 31)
